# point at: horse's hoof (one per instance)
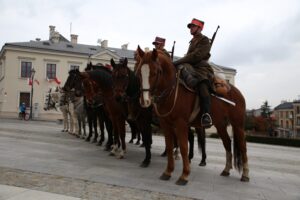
(245, 179)
(145, 164)
(181, 181)
(202, 163)
(137, 143)
(177, 157)
(131, 141)
(142, 145)
(224, 173)
(87, 139)
(120, 157)
(164, 154)
(165, 177)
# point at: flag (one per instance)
(57, 80)
(29, 81)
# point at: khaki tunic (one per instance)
(197, 56)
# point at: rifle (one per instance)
(214, 36)
(172, 52)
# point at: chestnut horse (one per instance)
(127, 89)
(174, 105)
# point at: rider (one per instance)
(22, 109)
(159, 44)
(197, 57)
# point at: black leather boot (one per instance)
(206, 120)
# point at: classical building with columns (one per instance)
(51, 60)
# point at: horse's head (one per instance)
(50, 101)
(89, 86)
(156, 73)
(120, 76)
(74, 83)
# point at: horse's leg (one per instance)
(240, 152)
(72, 122)
(122, 134)
(169, 141)
(101, 125)
(109, 129)
(95, 125)
(133, 130)
(90, 122)
(201, 145)
(65, 119)
(176, 151)
(182, 138)
(191, 144)
(79, 126)
(222, 131)
(145, 127)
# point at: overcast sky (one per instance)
(260, 39)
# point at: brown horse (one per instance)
(174, 105)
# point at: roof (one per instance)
(284, 106)
(68, 47)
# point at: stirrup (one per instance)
(208, 122)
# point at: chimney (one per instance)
(124, 46)
(38, 39)
(147, 49)
(74, 38)
(55, 38)
(104, 43)
(51, 31)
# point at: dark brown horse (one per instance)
(175, 104)
(100, 81)
(127, 91)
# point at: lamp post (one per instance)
(31, 94)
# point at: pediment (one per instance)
(105, 55)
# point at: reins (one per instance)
(174, 102)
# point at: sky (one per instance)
(260, 39)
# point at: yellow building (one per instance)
(51, 60)
(287, 115)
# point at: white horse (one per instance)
(57, 99)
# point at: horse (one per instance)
(93, 108)
(100, 81)
(174, 105)
(126, 88)
(56, 99)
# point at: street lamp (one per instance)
(31, 94)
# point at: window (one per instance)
(26, 69)
(298, 109)
(51, 71)
(25, 97)
(74, 67)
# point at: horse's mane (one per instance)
(133, 85)
(103, 75)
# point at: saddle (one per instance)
(219, 85)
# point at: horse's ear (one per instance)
(154, 54)
(112, 63)
(125, 62)
(140, 52)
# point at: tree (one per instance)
(266, 110)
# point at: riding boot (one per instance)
(206, 120)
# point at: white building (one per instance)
(52, 59)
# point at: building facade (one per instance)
(51, 60)
(287, 115)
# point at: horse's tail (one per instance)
(237, 157)
(238, 121)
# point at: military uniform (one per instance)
(202, 74)
(197, 56)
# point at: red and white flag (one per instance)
(29, 81)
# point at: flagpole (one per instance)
(31, 94)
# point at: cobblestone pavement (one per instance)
(36, 155)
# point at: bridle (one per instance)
(165, 93)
